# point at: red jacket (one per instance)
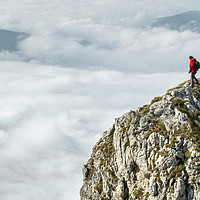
(192, 63)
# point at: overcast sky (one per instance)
(85, 63)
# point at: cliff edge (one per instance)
(152, 153)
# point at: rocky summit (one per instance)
(152, 153)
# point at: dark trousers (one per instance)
(194, 79)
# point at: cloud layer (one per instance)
(84, 44)
(111, 35)
(50, 117)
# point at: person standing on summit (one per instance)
(193, 70)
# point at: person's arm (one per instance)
(191, 66)
(190, 69)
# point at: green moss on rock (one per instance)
(159, 128)
(180, 104)
(177, 172)
(138, 193)
(156, 99)
(144, 110)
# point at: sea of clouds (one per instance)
(84, 64)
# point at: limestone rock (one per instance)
(152, 153)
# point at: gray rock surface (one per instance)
(151, 153)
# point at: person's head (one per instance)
(191, 57)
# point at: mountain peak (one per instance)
(184, 21)
(10, 39)
(150, 153)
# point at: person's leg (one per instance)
(196, 80)
(192, 79)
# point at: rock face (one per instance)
(152, 153)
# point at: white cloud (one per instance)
(14, 56)
(51, 117)
(114, 48)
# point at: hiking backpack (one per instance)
(196, 65)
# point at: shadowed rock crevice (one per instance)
(126, 191)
